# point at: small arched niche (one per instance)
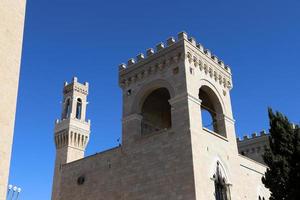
(156, 111)
(211, 111)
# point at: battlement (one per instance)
(254, 135)
(171, 41)
(192, 51)
(75, 85)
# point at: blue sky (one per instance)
(89, 38)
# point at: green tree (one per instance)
(283, 159)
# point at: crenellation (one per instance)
(200, 47)
(75, 79)
(75, 85)
(255, 146)
(223, 79)
(215, 58)
(122, 67)
(192, 41)
(245, 137)
(221, 63)
(160, 46)
(150, 52)
(140, 57)
(171, 41)
(263, 132)
(182, 36)
(130, 62)
(227, 68)
(253, 135)
(207, 52)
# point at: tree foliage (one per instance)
(283, 159)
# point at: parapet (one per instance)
(75, 85)
(161, 48)
(171, 41)
(253, 136)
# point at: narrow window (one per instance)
(221, 187)
(67, 107)
(78, 108)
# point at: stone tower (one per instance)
(182, 89)
(71, 133)
(12, 15)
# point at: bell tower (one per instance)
(71, 132)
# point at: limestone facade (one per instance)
(167, 151)
(12, 13)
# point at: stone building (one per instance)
(254, 147)
(12, 13)
(178, 134)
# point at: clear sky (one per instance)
(259, 39)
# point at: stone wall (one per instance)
(254, 147)
(12, 13)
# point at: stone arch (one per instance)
(78, 108)
(205, 82)
(144, 91)
(212, 109)
(223, 167)
(221, 182)
(156, 111)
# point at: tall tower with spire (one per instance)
(72, 131)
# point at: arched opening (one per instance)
(67, 109)
(78, 108)
(222, 190)
(156, 111)
(211, 111)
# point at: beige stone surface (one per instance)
(160, 162)
(12, 13)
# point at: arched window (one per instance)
(211, 111)
(78, 108)
(156, 111)
(67, 109)
(259, 198)
(222, 191)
